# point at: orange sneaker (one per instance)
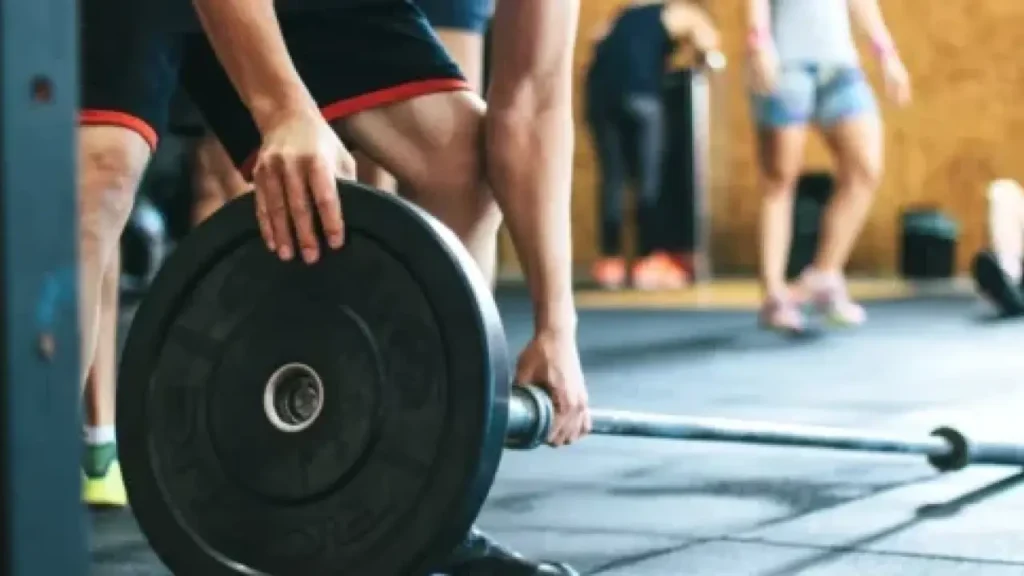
(610, 273)
(658, 271)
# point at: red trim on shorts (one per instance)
(114, 118)
(400, 93)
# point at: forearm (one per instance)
(529, 156)
(867, 15)
(248, 41)
(759, 17)
(529, 145)
(691, 23)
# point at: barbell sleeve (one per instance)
(531, 414)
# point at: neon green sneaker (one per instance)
(102, 485)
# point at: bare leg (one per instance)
(100, 386)
(215, 180)
(103, 485)
(856, 144)
(1006, 225)
(432, 143)
(781, 155)
(111, 163)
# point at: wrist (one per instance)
(558, 319)
(883, 48)
(758, 39)
(270, 109)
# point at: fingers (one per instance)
(572, 416)
(292, 190)
(268, 181)
(300, 208)
(328, 205)
(562, 428)
(263, 218)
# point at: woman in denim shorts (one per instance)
(805, 71)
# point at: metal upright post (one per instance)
(41, 515)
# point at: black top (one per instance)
(179, 15)
(632, 58)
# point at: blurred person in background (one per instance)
(625, 114)
(805, 71)
(997, 269)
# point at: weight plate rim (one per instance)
(236, 224)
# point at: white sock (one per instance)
(1012, 268)
(100, 435)
(819, 280)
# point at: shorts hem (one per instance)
(858, 114)
(407, 91)
(93, 117)
(399, 93)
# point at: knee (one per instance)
(862, 175)
(457, 193)
(780, 182)
(111, 163)
(453, 188)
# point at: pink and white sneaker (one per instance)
(830, 298)
(782, 315)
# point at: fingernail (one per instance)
(271, 246)
(309, 255)
(285, 253)
(336, 241)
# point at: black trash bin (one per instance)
(929, 240)
(813, 192)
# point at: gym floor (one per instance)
(631, 507)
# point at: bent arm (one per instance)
(247, 39)
(529, 146)
(759, 22)
(685, 20)
(867, 15)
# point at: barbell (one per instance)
(349, 417)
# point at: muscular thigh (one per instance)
(431, 143)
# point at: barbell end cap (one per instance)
(959, 454)
(534, 403)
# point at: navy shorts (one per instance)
(467, 15)
(352, 58)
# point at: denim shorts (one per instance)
(815, 94)
(465, 15)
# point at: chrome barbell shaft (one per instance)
(531, 414)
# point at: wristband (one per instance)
(882, 49)
(757, 37)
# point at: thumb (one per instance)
(526, 373)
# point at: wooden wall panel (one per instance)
(965, 128)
